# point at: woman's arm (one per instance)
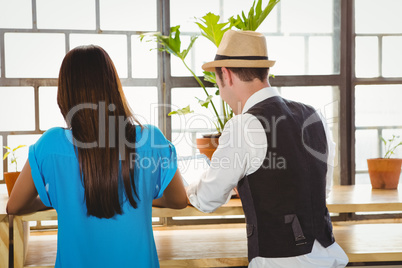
(174, 195)
(24, 197)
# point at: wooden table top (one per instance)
(343, 198)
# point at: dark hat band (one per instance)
(222, 57)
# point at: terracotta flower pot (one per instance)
(384, 172)
(10, 178)
(208, 144)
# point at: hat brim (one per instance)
(210, 66)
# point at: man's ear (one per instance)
(227, 76)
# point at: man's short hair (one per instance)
(246, 74)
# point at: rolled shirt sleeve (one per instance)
(242, 148)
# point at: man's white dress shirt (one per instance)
(241, 151)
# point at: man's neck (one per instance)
(247, 89)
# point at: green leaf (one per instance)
(383, 140)
(184, 53)
(172, 43)
(206, 102)
(212, 29)
(210, 77)
(256, 16)
(183, 111)
(18, 147)
(5, 155)
(217, 93)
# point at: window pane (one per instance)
(15, 14)
(115, 46)
(22, 153)
(317, 47)
(392, 56)
(326, 100)
(128, 15)
(363, 152)
(378, 105)
(144, 103)
(200, 121)
(288, 52)
(144, 60)
(374, 16)
(49, 112)
(182, 13)
(308, 16)
(33, 54)
(366, 56)
(17, 108)
(65, 14)
(377, 114)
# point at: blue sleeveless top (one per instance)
(85, 241)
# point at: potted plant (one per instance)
(213, 30)
(11, 177)
(385, 172)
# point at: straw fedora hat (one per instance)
(241, 49)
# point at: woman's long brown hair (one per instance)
(92, 102)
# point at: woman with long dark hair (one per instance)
(102, 174)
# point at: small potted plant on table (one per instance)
(11, 177)
(385, 172)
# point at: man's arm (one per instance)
(242, 148)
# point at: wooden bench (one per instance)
(225, 245)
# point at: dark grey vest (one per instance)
(284, 200)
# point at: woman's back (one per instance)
(124, 240)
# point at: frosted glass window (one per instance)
(65, 14)
(363, 152)
(115, 46)
(128, 15)
(184, 13)
(144, 103)
(15, 14)
(378, 105)
(49, 112)
(308, 16)
(366, 56)
(36, 55)
(288, 52)
(374, 16)
(22, 153)
(392, 56)
(144, 58)
(319, 46)
(17, 108)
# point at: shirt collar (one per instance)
(260, 95)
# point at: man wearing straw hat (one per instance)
(279, 153)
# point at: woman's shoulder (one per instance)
(54, 140)
(150, 136)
